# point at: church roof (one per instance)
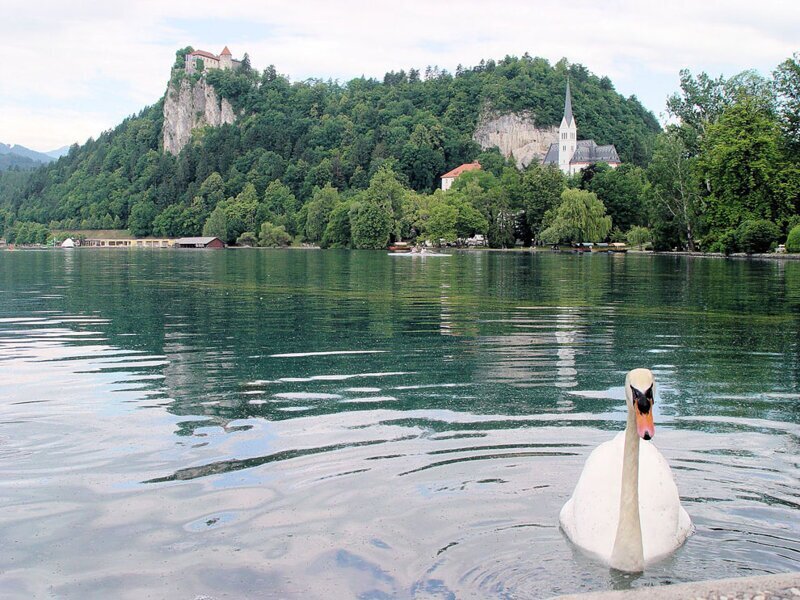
(225, 52)
(586, 151)
(568, 107)
(589, 152)
(552, 155)
(462, 169)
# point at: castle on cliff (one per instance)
(200, 60)
(573, 155)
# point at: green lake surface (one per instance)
(335, 424)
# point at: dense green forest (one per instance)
(357, 164)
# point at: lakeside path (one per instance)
(766, 587)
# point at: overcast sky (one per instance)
(73, 69)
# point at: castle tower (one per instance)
(567, 135)
(225, 59)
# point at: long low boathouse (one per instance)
(128, 243)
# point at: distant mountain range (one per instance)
(20, 157)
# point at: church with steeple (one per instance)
(572, 155)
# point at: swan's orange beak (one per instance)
(644, 423)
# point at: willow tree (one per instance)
(580, 217)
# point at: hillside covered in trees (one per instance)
(357, 164)
(314, 133)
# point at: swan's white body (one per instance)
(602, 518)
(591, 516)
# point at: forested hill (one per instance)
(312, 133)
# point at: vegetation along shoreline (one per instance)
(515, 152)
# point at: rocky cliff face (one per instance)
(188, 106)
(516, 135)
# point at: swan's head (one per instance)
(640, 394)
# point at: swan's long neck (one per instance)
(628, 554)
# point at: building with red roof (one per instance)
(200, 60)
(449, 177)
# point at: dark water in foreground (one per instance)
(309, 424)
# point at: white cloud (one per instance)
(48, 129)
(107, 59)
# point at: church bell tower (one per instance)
(567, 135)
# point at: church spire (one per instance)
(568, 106)
(567, 135)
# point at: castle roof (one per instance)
(204, 54)
(462, 169)
(225, 52)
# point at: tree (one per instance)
(140, 221)
(469, 220)
(673, 191)
(793, 240)
(700, 103)
(370, 224)
(248, 238)
(280, 206)
(638, 236)
(787, 87)
(580, 217)
(621, 191)
(441, 226)
(388, 193)
(740, 161)
(273, 236)
(217, 225)
(540, 190)
(212, 191)
(170, 222)
(318, 212)
(422, 157)
(337, 233)
(244, 66)
(180, 57)
(756, 235)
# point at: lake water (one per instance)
(309, 424)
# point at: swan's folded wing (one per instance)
(590, 516)
(665, 523)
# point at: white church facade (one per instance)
(572, 155)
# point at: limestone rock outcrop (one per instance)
(515, 134)
(189, 106)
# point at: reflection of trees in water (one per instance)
(734, 325)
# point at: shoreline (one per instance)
(518, 250)
(736, 255)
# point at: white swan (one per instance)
(625, 509)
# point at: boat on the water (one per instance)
(399, 248)
(420, 251)
(420, 254)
